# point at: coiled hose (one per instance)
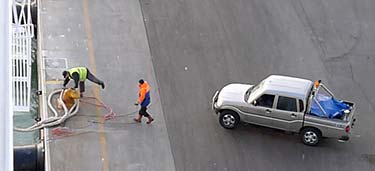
(55, 119)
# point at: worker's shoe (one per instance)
(138, 119)
(150, 119)
(102, 84)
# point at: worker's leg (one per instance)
(143, 112)
(146, 114)
(81, 87)
(92, 78)
(140, 114)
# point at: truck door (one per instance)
(287, 116)
(260, 110)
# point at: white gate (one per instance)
(22, 32)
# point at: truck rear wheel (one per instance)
(229, 119)
(310, 136)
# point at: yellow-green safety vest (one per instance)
(82, 72)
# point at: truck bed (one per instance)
(326, 106)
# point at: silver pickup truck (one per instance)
(284, 103)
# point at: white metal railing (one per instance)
(22, 32)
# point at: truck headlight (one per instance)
(219, 102)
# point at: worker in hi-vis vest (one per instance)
(79, 74)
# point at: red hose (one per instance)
(109, 115)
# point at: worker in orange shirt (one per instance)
(144, 100)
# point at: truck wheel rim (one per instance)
(229, 120)
(310, 137)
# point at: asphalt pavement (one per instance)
(188, 49)
(198, 46)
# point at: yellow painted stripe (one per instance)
(54, 82)
(90, 47)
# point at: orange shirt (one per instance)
(143, 90)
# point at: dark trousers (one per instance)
(143, 111)
(90, 77)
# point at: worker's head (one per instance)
(65, 74)
(141, 81)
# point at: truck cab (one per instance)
(280, 102)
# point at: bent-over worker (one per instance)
(80, 74)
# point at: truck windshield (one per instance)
(248, 92)
(252, 90)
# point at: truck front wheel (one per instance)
(229, 119)
(310, 136)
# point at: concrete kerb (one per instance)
(42, 86)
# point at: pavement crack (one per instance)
(317, 40)
(368, 99)
(351, 71)
(357, 36)
(306, 21)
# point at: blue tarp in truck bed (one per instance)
(333, 108)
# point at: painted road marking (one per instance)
(90, 47)
(54, 82)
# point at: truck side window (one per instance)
(287, 103)
(266, 100)
(301, 107)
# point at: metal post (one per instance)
(328, 91)
(320, 107)
(6, 105)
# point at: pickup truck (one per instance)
(285, 103)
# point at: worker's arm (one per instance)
(67, 79)
(142, 95)
(76, 79)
